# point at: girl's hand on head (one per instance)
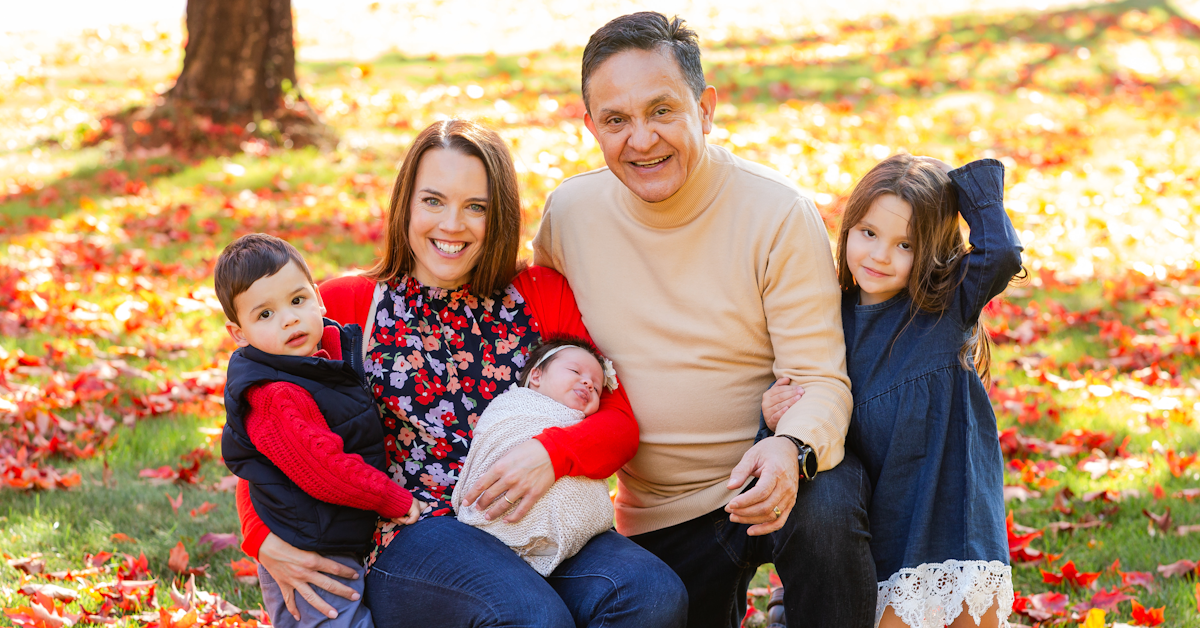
(518, 479)
(414, 513)
(941, 165)
(778, 399)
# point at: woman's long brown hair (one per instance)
(938, 245)
(497, 263)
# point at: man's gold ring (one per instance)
(776, 511)
(512, 503)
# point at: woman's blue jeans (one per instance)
(440, 572)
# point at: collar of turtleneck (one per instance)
(682, 207)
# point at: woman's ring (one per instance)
(776, 511)
(512, 503)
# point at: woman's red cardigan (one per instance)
(595, 448)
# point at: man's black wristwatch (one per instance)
(807, 458)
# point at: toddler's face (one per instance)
(279, 314)
(573, 378)
(879, 252)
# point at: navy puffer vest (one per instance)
(340, 392)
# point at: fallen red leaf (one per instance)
(1143, 579)
(133, 568)
(178, 560)
(1106, 600)
(1177, 463)
(1177, 568)
(1162, 522)
(99, 559)
(31, 564)
(1147, 616)
(1044, 606)
(1071, 575)
(202, 510)
(219, 541)
(176, 502)
(121, 537)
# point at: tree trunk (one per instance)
(239, 58)
(236, 92)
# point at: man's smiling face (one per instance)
(648, 122)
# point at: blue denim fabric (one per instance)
(922, 424)
(441, 572)
(350, 614)
(822, 554)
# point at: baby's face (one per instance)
(573, 378)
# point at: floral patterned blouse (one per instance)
(435, 358)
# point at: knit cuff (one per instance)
(396, 502)
(981, 182)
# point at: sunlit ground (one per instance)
(105, 257)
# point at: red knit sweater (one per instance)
(595, 447)
(285, 425)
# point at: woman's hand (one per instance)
(518, 479)
(294, 570)
(778, 399)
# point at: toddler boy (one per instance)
(301, 426)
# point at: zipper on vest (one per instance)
(355, 359)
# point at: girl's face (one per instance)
(447, 217)
(573, 378)
(878, 251)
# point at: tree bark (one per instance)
(239, 58)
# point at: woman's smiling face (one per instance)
(447, 217)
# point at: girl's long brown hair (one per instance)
(938, 245)
(497, 263)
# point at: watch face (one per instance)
(810, 464)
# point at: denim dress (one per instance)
(924, 428)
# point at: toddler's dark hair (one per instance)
(248, 259)
(549, 344)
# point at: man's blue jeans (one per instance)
(822, 554)
(440, 572)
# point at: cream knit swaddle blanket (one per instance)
(574, 510)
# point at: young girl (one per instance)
(562, 381)
(922, 422)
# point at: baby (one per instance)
(562, 384)
(300, 425)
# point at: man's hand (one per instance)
(773, 461)
(778, 399)
(520, 478)
(294, 570)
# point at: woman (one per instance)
(448, 322)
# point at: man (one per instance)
(704, 277)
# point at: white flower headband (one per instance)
(610, 373)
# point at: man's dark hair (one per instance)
(549, 344)
(248, 259)
(646, 30)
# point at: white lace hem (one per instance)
(932, 595)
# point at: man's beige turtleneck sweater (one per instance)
(702, 301)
